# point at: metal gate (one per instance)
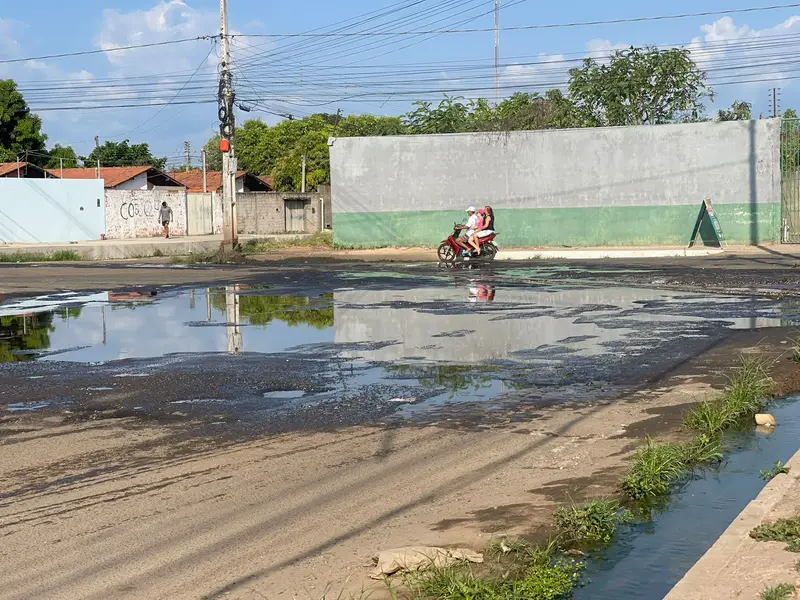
(790, 180)
(295, 215)
(199, 218)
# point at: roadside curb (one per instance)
(706, 572)
(598, 254)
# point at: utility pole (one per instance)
(775, 99)
(62, 167)
(303, 180)
(188, 149)
(227, 127)
(497, 51)
(97, 141)
(205, 176)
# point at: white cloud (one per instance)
(167, 21)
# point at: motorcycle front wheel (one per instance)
(446, 253)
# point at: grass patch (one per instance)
(782, 591)
(747, 394)
(590, 523)
(320, 239)
(782, 530)
(544, 577)
(657, 468)
(778, 469)
(23, 257)
(220, 257)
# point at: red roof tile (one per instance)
(193, 180)
(10, 167)
(111, 176)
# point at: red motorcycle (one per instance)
(450, 251)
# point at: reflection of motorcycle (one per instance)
(450, 251)
(479, 292)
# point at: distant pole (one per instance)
(303, 180)
(98, 169)
(774, 103)
(188, 148)
(205, 178)
(62, 167)
(18, 175)
(497, 51)
(97, 141)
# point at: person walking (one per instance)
(165, 216)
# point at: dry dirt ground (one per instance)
(114, 509)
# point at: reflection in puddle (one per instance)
(112, 326)
(24, 406)
(285, 394)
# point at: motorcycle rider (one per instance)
(468, 230)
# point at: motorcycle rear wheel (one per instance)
(446, 253)
(489, 251)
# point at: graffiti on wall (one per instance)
(135, 213)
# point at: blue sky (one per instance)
(56, 26)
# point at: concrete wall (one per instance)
(134, 213)
(581, 187)
(51, 210)
(265, 212)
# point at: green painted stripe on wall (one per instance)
(574, 227)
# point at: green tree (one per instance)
(122, 154)
(367, 125)
(20, 130)
(638, 86)
(451, 115)
(59, 153)
(739, 111)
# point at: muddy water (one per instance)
(649, 559)
(411, 348)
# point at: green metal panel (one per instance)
(790, 180)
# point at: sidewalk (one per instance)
(737, 566)
(182, 246)
(136, 248)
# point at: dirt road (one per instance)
(131, 471)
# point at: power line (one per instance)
(105, 50)
(529, 27)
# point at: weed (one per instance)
(710, 417)
(745, 395)
(797, 566)
(543, 579)
(749, 389)
(60, 256)
(504, 546)
(795, 358)
(778, 469)
(320, 239)
(782, 591)
(658, 467)
(782, 530)
(591, 522)
(158, 253)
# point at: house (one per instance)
(123, 178)
(25, 170)
(245, 182)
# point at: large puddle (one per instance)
(469, 341)
(649, 559)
